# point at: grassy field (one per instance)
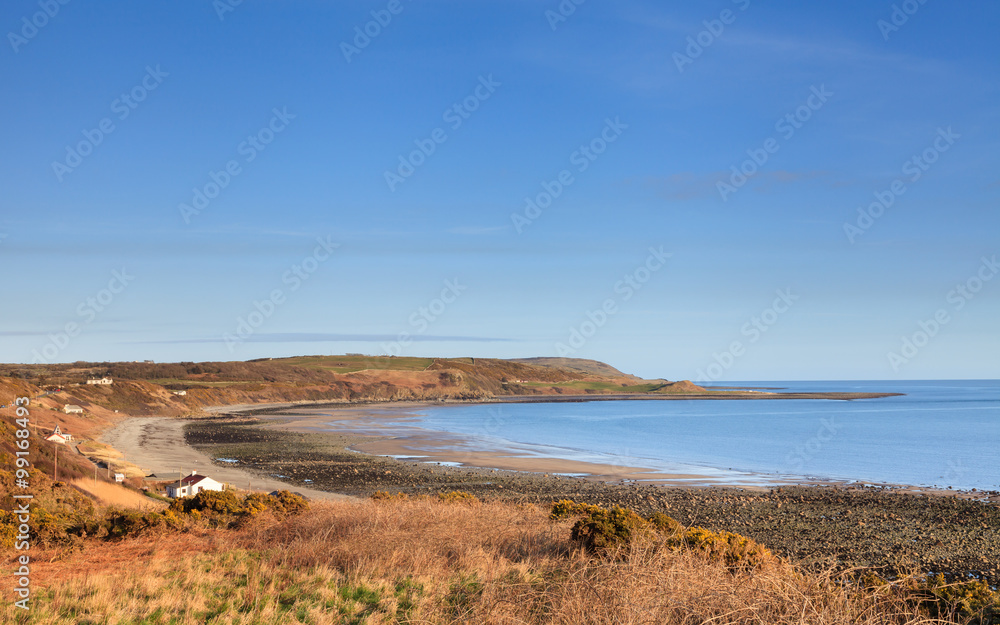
(99, 451)
(429, 561)
(592, 385)
(349, 364)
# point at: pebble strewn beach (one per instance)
(819, 526)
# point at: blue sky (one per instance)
(332, 232)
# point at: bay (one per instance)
(939, 433)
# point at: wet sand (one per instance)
(385, 430)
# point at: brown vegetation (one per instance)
(425, 560)
(108, 494)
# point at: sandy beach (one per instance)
(157, 445)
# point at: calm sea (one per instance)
(940, 433)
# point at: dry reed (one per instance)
(425, 561)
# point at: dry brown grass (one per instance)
(115, 495)
(426, 561)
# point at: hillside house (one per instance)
(56, 438)
(72, 409)
(101, 381)
(181, 393)
(60, 432)
(192, 485)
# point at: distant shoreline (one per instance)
(393, 439)
(710, 395)
(265, 408)
(433, 447)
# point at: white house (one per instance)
(57, 438)
(182, 393)
(58, 432)
(72, 409)
(192, 485)
(104, 381)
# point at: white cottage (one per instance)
(192, 485)
(58, 436)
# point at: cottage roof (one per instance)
(190, 480)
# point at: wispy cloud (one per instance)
(320, 337)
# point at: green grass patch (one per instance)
(349, 364)
(596, 385)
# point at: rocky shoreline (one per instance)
(845, 527)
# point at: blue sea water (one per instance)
(940, 433)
